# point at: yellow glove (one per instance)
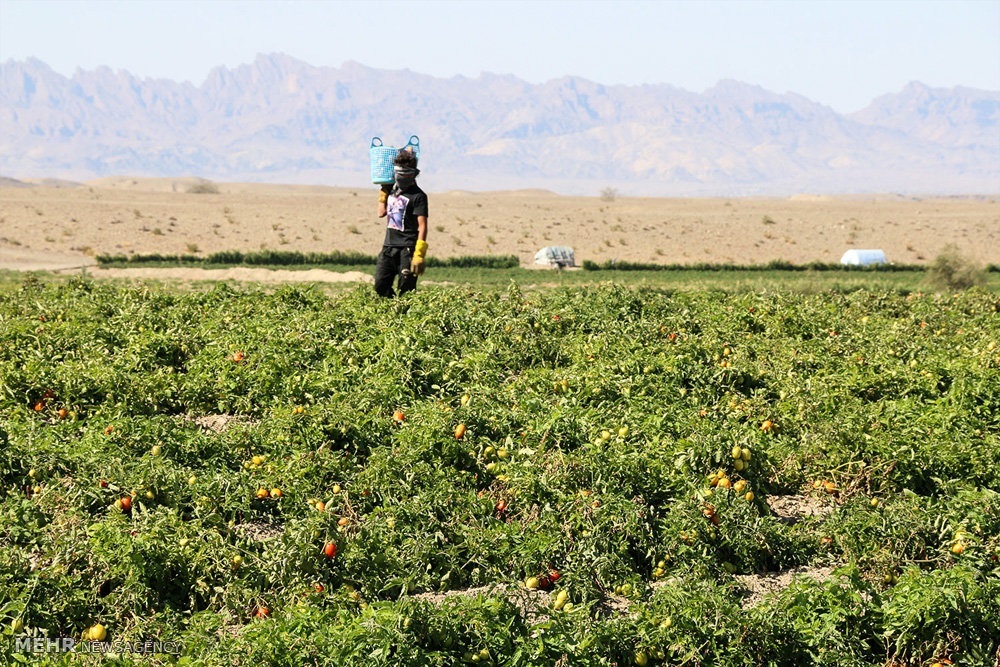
(383, 194)
(419, 253)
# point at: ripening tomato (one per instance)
(330, 549)
(97, 633)
(263, 493)
(126, 503)
(262, 612)
(398, 416)
(459, 431)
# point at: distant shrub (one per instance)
(203, 188)
(773, 265)
(609, 194)
(951, 270)
(295, 258)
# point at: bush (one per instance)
(951, 270)
(203, 187)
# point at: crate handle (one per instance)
(376, 145)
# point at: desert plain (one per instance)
(57, 225)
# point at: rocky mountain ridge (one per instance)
(279, 119)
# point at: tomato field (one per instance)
(599, 475)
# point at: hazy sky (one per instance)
(841, 53)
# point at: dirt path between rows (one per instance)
(22, 259)
(15, 259)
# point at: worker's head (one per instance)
(405, 158)
(405, 168)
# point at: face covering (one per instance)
(404, 177)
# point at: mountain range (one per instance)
(279, 119)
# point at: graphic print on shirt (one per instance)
(395, 208)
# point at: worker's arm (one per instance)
(383, 197)
(420, 252)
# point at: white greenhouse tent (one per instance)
(556, 255)
(863, 257)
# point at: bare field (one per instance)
(70, 223)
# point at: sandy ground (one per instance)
(58, 225)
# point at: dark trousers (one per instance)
(393, 262)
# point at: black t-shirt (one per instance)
(401, 217)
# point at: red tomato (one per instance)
(330, 550)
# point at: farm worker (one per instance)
(404, 205)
